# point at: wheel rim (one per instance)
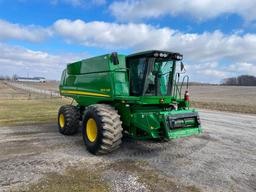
(91, 130)
(62, 121)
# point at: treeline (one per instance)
(243, 80)
(5, 78)
(8, 78)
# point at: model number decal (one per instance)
(105, 90)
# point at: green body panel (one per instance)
(153, 121)
(99, 80)
(98, 77)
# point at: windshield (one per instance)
(149, 76)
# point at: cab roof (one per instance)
(152, 52)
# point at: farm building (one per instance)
(31, 79)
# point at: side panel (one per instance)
(144, 122)
(89, 89)
(95, 80)
(74, 68)
(95, 64)
(120, 77)
(91, 65)
(121, 83)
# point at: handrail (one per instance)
(175, 85)
(177, 89)
(183, 80)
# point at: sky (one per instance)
(39, 37)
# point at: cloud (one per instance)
(214, 72)
(21, 61)
(21, 32)
(204, 52)
(133, 10)
(243, 68)
(111, 35)
(207, 72)
(204, 47)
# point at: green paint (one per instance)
(140, 87)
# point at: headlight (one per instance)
(178, 57)
(156, 54)
(163, 54)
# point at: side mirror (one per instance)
(182, 67)
(114, 58)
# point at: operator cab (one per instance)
(151, 73)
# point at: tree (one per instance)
(243, 80)
(14, 77)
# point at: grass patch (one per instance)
(20, 112)
(71, 180)
(17, 108)
(152, 178)
(84, 179)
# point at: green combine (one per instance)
(140, 95)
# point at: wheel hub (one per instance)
(62, 121)
(91, 129)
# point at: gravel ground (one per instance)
(223, 158)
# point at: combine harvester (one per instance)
(139, 95)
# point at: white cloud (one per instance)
(207, 72)
(199, 9)
(204, 52)
(22, 61)
(112, 35)
(20, 32)
(198, 48)
(243, 68)
(205, 47)
(213, 73)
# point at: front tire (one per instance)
(68, 120)
(102, 129)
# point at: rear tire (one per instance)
(68, 120)
(102, 129)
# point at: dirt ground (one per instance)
(37, 158)
(48, 85)
(19, 106)
(241, 95)
(223, 158)
(224, 98)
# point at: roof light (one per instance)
(178, 56)
(156, 54)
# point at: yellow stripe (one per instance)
(84, 93)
